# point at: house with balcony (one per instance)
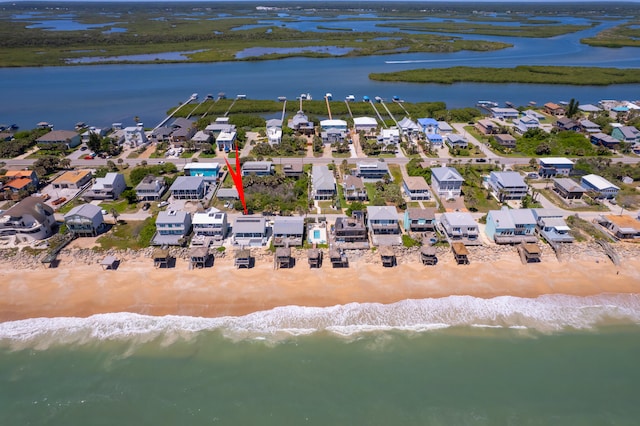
(435, 139)
(274, 135)
(456, 141)
(74, 179)
(351, 229)
(505, 140)
(172, 228)
(249, 231)
(525, 123)
(182, 130)
(202, 140)
(446, 182)
(588, 126)
(383, 225)
(628, 134)
(410, 128)
(416, 188)
(554, 109)
(221, 124)
(99, 132)
(418, 219)
(487, 127)
(85, 220)
(552, 226)
(460, 227)
(552, 166)
(600, 186)
(602, 139)
(30, 218)
(354, 189)
(257, 168)
(511, 226)
(504, 113)
(69, 138)
(323, 184)
(568, 188)
(507, 186)
(371, 171)
(135, 136)
(188, 188)
(293, 170)
(108, 187)
(567, 124)
(301, 124)
(331, 136)
(390, 136)
(428, 125)
(151, 188)
(288, 231)
(209, 171)
(209, 227)
(226, 141)
(365, 124)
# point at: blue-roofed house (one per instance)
(511, 226)
(428, 125)
(435, 139)
(209, 171)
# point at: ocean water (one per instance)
(553, 360)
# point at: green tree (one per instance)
(95, 142)
(130, 196)
(572, 108)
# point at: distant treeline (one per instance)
(582, 76)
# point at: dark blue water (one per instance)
(102, 94)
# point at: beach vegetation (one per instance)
(21, 142)
(128, 235)
(408, 241)
(538, 30)
(624, 35)
(524, 74)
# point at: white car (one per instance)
(163, 203)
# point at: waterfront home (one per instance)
(568, 188)
(221, 124)
(589, 108)
(589, 126)
(74, 179)
(135, 136)
(354, 189)
(410, 127)
(511, 226)
(274, 135)
(331, 136)
(622, 226)
(554, 109)
(108, 187)
(552, 226)
(428, 125)
(552, 166)
(30, 219)
(418, 219)
(444, 128)
(365, 124)
(460, 226)
(182, 131)
(301, 124)
(416, 188)
(159, 134)
(288, 231)
(188, 188)
(68, 138)
(568, 124)
(85, 220)
(600, 186)
(446, 182)
(383, 225)
(504, 113)
(323, 184)
(525, 123)
(249, 231)
(209, 171)
(351, 229)
(507, 186)
(172, 226)
(535, 114)
(372, 170)
(99, 132)
(505, 140)
(456, 141)
(602, 139)
(202, 140)
(487, 127)
(257, 168)
(293, 170)
(226, 141)
(209, 227)
(150, 188)
(390, 136)
(628, 134)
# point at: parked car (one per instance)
(481, 160)
(146, 206)
(163, 203)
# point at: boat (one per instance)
(282, 98)
(366, 99)
(241, 96)
(509, 104)
(396, 98)
(487, 104)
(329, 96)
(378, 99)
(350, 98)
(194, 96)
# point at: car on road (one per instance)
(84, 148)
(146, 206)
(481, 160)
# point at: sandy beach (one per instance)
(79, 286)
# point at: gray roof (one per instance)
(257, 166)
(149, 182)
(569, 184)
(503, 219)
(522, 216)
(85, 210)
(322, 178)
(172, 216)
(274, 122)
(460, 219)
(382, 213)
(446, 174)
(187, 183)
(33, 206)
(252, 224)
(352, 181)
(509, 179)
(288, 225)
(227, 193)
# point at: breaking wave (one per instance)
(545, 314)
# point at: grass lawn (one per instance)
(340, 154)
(121, 206)
(135, 154)
(551, 195)
(128, 235)
(396, 173)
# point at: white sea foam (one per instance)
(549, 313)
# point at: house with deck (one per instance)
(446, 182)
(85, 220)
(554, 109)
(108, 187)
(351, 229)
(135, 136)
(410, 127)
(602, 139)
(552, 226)
(69, 138)
(511, 226)
(354, 189)
(301, 124)
(416, 188)
(568, 188)
(460, 227)
(383, 225)
(323, 183)
(249, 231)
(588, 126)
(257, 168)
(628, 134)
(74, 179)
(29, 218)
(226, 141)
(456, 141)
(288, 231)
(505, 140)
(429, 125)
(487, 127)
(418, 219)
(365, 124)
(208, 170)
(504, 113)
(390, 136)
(371, 171)
(525, 122)
(507, 186)
(172, 228)
(210, 225)
(567, 124)
(151, 188)
(600, 186)
(188, 188)
(552, 166)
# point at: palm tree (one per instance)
(115, 215)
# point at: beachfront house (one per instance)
(257, 168)
(209, 171)
(371, 171)
(446, 182)
(73, 179)
(150, 188)
(172, 227)
(69, 138)
(552, 226)
(461, 227)
(418, 219)
(188, 188)
(598, 185)
(323, 184)
(249, 231)
(511, 226)
(354, 189)
(568, 188)
(210, 223)
(622, 226)
(29, 219)
(383, 225)
(416, 188)
(552, 166)
(507, 186)
(85, 220)
(108, 187)
(351, 229)
(288, 231)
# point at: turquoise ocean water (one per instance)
(554, 360)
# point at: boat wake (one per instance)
(544, 314)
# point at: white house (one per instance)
(226, 140)
(460, 226)
(274, 135)
(30, 218)
(389, 136)
(446, 182)
(134, 136)
(507, 185)
(602, 187)
(365, 124)
(107, 188)
(211, 223)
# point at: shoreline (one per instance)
(79, 287)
